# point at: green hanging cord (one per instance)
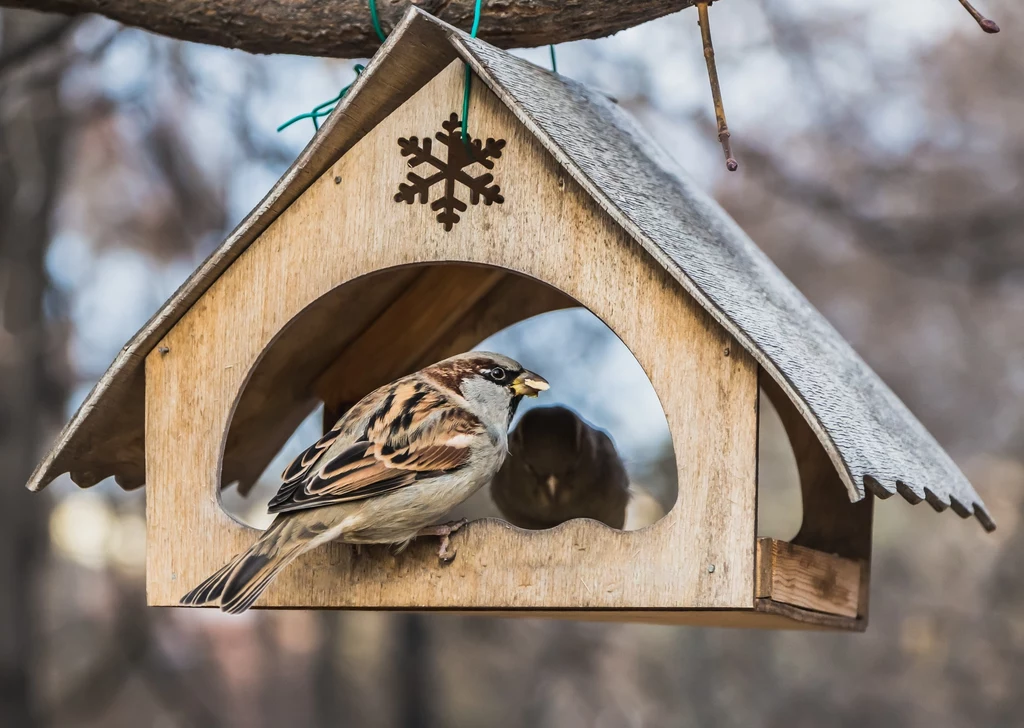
(465, 106)
(375, 19)
(476, 19)
(554, 63)
(319, 111)
(469, 77)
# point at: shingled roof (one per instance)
(874, 441)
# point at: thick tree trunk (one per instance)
(31, 132)
(342, 28)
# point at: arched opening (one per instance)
(404, 318)
(779, 499)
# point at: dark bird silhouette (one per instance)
(560, 468)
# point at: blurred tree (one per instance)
(414, 672)
(33, 130)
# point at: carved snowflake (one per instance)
(460, 156)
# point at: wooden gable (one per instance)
(348, 228)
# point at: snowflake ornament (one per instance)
(452, 170)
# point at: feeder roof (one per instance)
(874, 441)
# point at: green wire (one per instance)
(469, 77)
(317, 111)
(376, 20)
(476, 19)
(465, 106)
(554, 63)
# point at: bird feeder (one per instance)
(393, 242)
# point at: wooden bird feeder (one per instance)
(390, 244)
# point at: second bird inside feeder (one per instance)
(598, 453)
(559, 468)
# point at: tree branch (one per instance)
(342, 29)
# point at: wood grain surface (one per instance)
(806, 578)
(547, 229)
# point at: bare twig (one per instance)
(31, 141)
(716, 90)
(989, 26)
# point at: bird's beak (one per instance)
(529, 384)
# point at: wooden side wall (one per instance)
(347, 225)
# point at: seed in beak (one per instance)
(529, 384)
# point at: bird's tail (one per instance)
(237, 585)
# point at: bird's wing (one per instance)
(339, 436)
(415, 433)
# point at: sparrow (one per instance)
(560, 468)
(397, 461)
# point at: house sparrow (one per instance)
(560, 468)
(401, 458)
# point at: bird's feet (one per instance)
(445, 530)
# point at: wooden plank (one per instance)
(777, 617)
(806, 578)
(546, 229)
(405, 331)
(774, 617)
(808, 618)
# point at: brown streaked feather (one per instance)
(450, 377)
(300, 467)
(415, 432)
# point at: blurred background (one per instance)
(881, 148)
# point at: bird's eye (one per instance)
(497, 374)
